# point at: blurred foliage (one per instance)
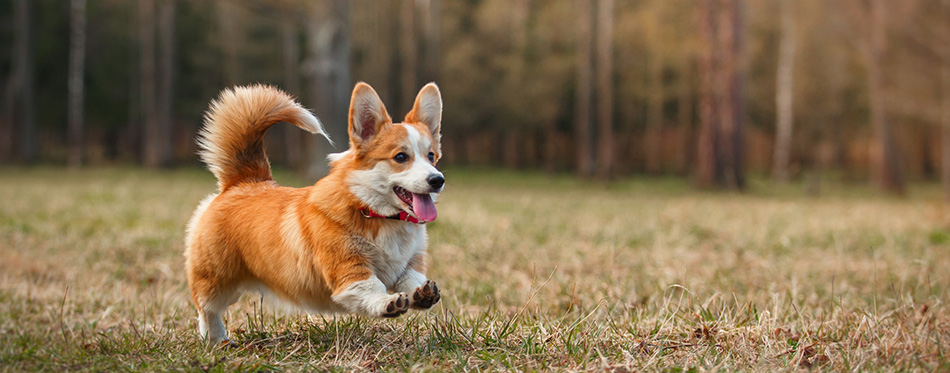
(507, 70)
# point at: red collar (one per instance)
(402, 215)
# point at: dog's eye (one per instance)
(401, 157)
(431, 157)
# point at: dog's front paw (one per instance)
(426, 296)
(398, 305)
(227, 344)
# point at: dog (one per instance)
(354, 242)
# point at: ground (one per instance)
(537, 273)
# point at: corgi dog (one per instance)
(354, 242)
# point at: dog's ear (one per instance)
(428, 110)
(367, 115)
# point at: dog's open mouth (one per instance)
(404, 195)
(420, 205)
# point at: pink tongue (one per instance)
(423, 207)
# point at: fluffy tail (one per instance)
(232, 140)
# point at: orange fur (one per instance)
(305, 245)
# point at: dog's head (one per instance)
(394, 163)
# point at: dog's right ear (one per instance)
(367, 115)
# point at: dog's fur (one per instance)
(315, 247)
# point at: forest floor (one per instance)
(537, 273)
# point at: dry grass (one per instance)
(537, 273)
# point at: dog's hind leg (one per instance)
(210, 325)
(211, 294)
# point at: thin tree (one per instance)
(230, 40)
(327, 65)
(945, 110)
(409, 52)
(150, 152)
(707, 158)
(433, 18)
(734, 76)
(605, 95)
(655, 99)
(720, 145)
(888, 174)
(77, 55)
(163, 132)
(584, 92)
(684, 114)
(133, 143)
(784, 91)
(293, 151)
(383, 57)
(18, 103)
(512, 138)
(27, 126)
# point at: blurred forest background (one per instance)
(708, 89)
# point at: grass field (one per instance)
(537, 273)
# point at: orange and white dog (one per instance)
(354, 242)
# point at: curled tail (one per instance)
(232, 140)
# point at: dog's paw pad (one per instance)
(397, 306)
(426, 295)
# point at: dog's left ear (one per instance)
(367, 115)
(428, 110)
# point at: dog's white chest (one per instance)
(395, 245)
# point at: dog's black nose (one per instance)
(436, 181)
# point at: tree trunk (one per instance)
(706, 155)
(605, 96)
(384, 57)
(510, 140)
(730, 80)
(582, 120)
(433, 50)
(654, 128)
(77, 55)
(887, 169)
(945, 126)
(515, 138)
(736, 177)
(229, 39)
(150, 151)
(132, 143)
(327, 64)
(685, 118)
(410, 56)
(292, 136)
(18, 104)
(784, 92)
(26, 127)
(161, 136)
(550, 146)
(720, 144)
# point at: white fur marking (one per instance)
(396, 244)
(367, 297)
(333, 157)
(311, 124)
(374, 186)
(211, 327)
(415, 179)
(409, 281)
